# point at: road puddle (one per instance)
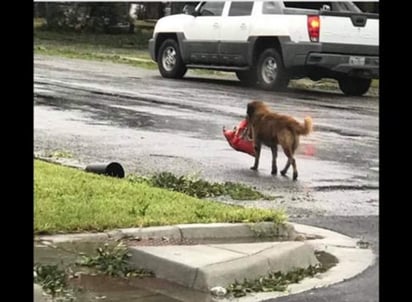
(89, 286)
(105, 288)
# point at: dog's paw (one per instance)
(253, 168)
(283, 173)
(274, 172)
(295, 176)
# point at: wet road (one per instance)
(362, 288)
(106, 112)
(103, 112)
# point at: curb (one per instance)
(183, 231)
(202, 267)
(353, 259)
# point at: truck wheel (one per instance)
(169, 60)
(354, 86)
(271, 74)
(247, 77)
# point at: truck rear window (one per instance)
(307, 7)
(329, 6)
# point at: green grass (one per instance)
(273, 281)
(71, 200)
(199, 188)
(375, 84)
(131, 49)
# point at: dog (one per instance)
(272, 129)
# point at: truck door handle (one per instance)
(216, 25)
(243, 26)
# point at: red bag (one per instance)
(238, 138)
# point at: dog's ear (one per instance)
(250, 110)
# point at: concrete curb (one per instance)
(241, 259)
(183, 231)
(203, 267)
(68, 162)
(353, 260)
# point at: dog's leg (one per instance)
(289, 156)
(274, 156)
(291, 161)
(295, 170)
(257, 144)
(285, 169)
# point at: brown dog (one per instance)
(270, 128)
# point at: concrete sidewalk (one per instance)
(227, 253)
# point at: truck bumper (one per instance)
(152, 49)
(353, 60)
(357, 66)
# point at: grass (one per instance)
(108, 260)
(276, 281)
(50, 277)
(112, 261)
(71, 200)
(128, 49)
(324, 84)
(60, 154)
(375, 84)
(279, 281)
(131, 49)
(199, 188)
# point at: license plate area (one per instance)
(353, 60)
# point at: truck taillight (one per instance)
(313, 28)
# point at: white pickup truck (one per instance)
(268, 43)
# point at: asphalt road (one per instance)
(101, 112)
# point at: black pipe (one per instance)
(111, 169)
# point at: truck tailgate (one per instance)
(349, 28)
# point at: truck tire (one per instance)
(169, 60)
(247, 77)
(271, 74)
(354, 86)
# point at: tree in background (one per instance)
(150, 10)
(109, 17)
(177, 7)
(103, 17)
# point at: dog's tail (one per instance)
(305, 128)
